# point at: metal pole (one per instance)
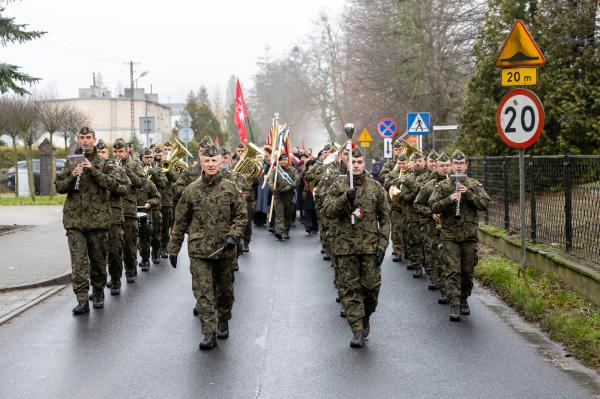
(522, 208)
(131, 103)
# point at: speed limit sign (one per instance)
(520, 118)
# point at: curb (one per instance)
(31, 304)
(63, 279)
(14, 230)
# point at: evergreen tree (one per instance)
(204, 122)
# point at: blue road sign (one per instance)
(387, 128)
(418, 123)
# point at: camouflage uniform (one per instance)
(355, 247)
(397, 219)
(86, 217)
(284, 198)
(459, 235)
(186, 178)
(115, 233)
(160, 181)
(410, 186)
(166, 202)
(147, 194)
(326, 178)
(210, 209)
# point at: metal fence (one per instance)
(562, 199)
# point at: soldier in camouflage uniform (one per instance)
(459, 233)
(398, 221)
(189, 175)
(115, 232)
(431, 229)
(130, 222)
(358, 249)
(212, 211)
(86, 217)
(284, 196)
(391, 164)
(166, 202)
(148, 197)
(151, 165)
(313, 177)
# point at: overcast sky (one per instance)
(182, 44)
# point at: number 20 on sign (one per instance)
(520, 118)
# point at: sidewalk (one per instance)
(36, 254)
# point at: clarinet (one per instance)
(76, 188)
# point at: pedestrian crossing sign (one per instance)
(418, 123)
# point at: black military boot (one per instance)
(357, 340)
(98, 300)
(130, 278)
(164, 254)
(454, 313)
(279, 236)
(195, 311)
(443, 300)
(342, 313)
(145, 265)
(397, 258)
(115, 287)
(327, 256)
(223, 329)
(245, 247)
(418, 272)
(337, 299)
(366, 326)
(81, 308)
(286, 234)
(411, 266)
(208, 342)
(464, 308)
(109, 284)
(155, 258)
(322, 251)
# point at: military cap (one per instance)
(415, 156)
(267, 148)
(168, 144)
(225, 151)
(146, 152)
(443, 157)
(212, 150)
(398, 144)
(101, 145)
(402, 157)
(458, 155)
(119, 143)
(205, 141)
(357, 152)
(158, 149)
(241, 145)
(87, 130)
(432, 155)
(283, 156)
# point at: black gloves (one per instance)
(173, 260)
(229, 242)
(380, 255)
(351, 194)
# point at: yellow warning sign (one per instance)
(519, 49)
(365, 137)
(365, 144)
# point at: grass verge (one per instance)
(563, 313)
(39, 200)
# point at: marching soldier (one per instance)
(458, 200)
(130, 223)
(358, 249)
(86, 217)
(391, 164)
(148, 197)
(166, 202)
(153, 172)
(115, 232)
(212, 212)
(397, 219)
(190, 174)
(284, 196)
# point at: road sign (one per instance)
(186, 134)
(186, 119)
(387, 128)
(418, 123)
(387, 148)
(519, 76)
(520, 118)
(147, 124)
(365, 136)
(519, 49)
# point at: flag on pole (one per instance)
(217, 141)
(269, 138)
(240, 113)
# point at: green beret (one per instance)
(432, 155)
(119, 143)
(205, 141)
(225, 151)
(100, 145)
(402, 158)
(146, 152)
(158, 149)
(168, 144)
(357, 153)
(211, 150)
(458, 155)
(443, 157)
(398, 144)
(87, 130)
(415, 156)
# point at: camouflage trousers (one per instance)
(284, 211)
(130, 238)
(323, 231)
(359, 280)
(414, 243)
(115, 251)
(212, 285)
(460, 258)
(145, 232)
(397, 233)
(166, 223)
(88, 260)
(156, 230)
(248, 227)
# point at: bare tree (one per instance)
(73, 121)
(53, 115)
(7, 126)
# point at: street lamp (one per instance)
(141, 75)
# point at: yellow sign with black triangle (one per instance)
(519, 49)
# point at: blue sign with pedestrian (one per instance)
(418, 123)
(387, 128)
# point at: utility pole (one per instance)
(132, 103)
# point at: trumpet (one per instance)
(394, 192)
(174, 159)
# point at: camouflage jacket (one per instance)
(240, 180)
(210, 209)
(387, 168)
(116, 196)
(134, 174)
(312, 176)
(282, 185)
(475, 199)
(409, 188)
(88, 208)
(372, 230)
(388, 183)
(148, 193)
(166, 193)
(421, 203)
(186, 178)
(331, 173)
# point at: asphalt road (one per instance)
(287, 341)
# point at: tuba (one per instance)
(174, 160)
(248, 165)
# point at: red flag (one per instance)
(240, 115)
(217, 141)
(269, 139)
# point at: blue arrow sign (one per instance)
(418, 123)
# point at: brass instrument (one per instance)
(458, 179)
(174, 159)
(394, 191)
(248, 165)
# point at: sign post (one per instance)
(147, 126)
(365, 138)
(387, 128)
(418, 124)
